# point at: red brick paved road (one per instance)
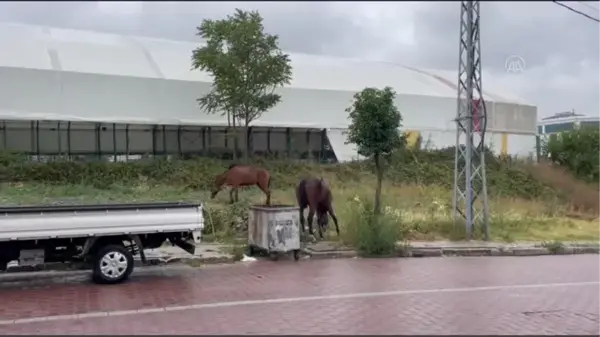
(520, 295)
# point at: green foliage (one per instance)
(227, 220)
(375, 120)
(246, 64)
(576, 150)
(417, 167)
(554, 247)
(374, 123)
(369, 233)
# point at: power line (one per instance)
(588, 6)
(576, 11)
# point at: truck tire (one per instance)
(112, 264)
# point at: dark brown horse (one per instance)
(316, 195)
(243, 175)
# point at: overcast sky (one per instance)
(560, 48)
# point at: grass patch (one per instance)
(422, 213)
(554, 247)
(373, 235)
(236, 250)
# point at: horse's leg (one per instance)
(302, 219)
(231, 194)
(319, 225)
(237, 196)
(332, 213)
(311, 215)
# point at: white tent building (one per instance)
(87, 92)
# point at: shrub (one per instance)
(369, 233)
(226, 220)
(577, 151)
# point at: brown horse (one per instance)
(243, 175)
(316, 195)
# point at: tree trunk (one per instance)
(247, 137)
(247, 147)
(235, 138)
(379, 172)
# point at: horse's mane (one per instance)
(232, 166)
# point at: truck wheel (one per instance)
(112, 264)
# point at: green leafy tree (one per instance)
(576, 150)
(374, 129)
(247, 66)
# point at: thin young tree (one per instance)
(247, 66)
(374, 128)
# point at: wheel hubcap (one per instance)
(113, 265)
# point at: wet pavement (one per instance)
(459, 295)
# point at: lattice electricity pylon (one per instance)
(470, 187)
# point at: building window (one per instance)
(559, 127)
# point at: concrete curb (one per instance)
(332, 254)
(28, 276)
(513, 250)
(56, 270)
(464, 250)
(68, 275)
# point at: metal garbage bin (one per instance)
(274, 229)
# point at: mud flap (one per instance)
(185, 245)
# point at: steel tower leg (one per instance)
(470, 201)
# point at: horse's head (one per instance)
(322, 220)
(217, 185)
(214, 192)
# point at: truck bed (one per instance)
(7, 210)
(71, 221)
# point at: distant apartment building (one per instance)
(566, 121)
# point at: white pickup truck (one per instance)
(105, 236)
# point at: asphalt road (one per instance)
(463, 295)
